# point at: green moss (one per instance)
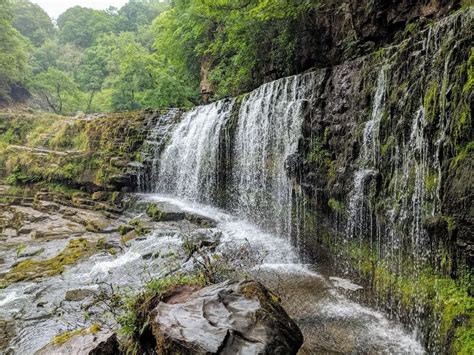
(431, 101)
(335, 205)
(443, 300)
(56, 149)
(34, 269)
(467, 89)
(462, 155)
(387, 146)
(66, 336)
(317, 154)
(431, 182)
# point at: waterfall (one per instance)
(359, 214)
(153, 145)
(265, 132)
(268, 131)
(188, 166)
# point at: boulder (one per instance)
(200, 220)
(228, 318)
(165, 212)
(83, 343)
(205, 237)
(78, 295)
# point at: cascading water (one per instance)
(268, 130)
(154, 144)
(359, 216)
(188, 166)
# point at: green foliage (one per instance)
(13, 53)
(82, 26)
(317, 154)
(58, 89)
(232, 36)
(335, 205)
(32, 22)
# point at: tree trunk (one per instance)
(207, 89)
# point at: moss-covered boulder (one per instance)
(164, 212)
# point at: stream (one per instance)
(331, 322)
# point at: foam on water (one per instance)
(373, 328)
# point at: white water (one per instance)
(359, 221)
(189, 163)
(371, 328)
(268, 130)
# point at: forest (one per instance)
(145, 54)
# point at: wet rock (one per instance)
(227, 318)
(205, 237)
(46, 206)
(100, 196)
(125, 228)
(7, 332)
(163, 212)
(82, 343)
(200, 220)
(78, 295)
(31, 253)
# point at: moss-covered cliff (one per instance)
(385, 174)
(90, 152)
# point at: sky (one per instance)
(54, 8)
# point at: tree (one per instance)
(58, 90)
(136, 14)
(234, 43)
(82, 26)
(13, 53)
(32, 22)
(93, 71)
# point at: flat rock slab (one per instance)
(228, 318)
(104, 343)
(166, 212)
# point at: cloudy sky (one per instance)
(56, 7)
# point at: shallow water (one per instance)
(331, 323)
(329, 320)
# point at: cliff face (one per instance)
(383, 176)
(386, 122)
(339, 31)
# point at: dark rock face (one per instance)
(163, 212)
(228, 318)
(417, 140)
(339, 31)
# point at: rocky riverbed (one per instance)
(52, 273)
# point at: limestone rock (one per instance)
(165, 212)
(228, 318)
(84, 343)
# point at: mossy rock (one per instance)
(35, 269)
(163, 214)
